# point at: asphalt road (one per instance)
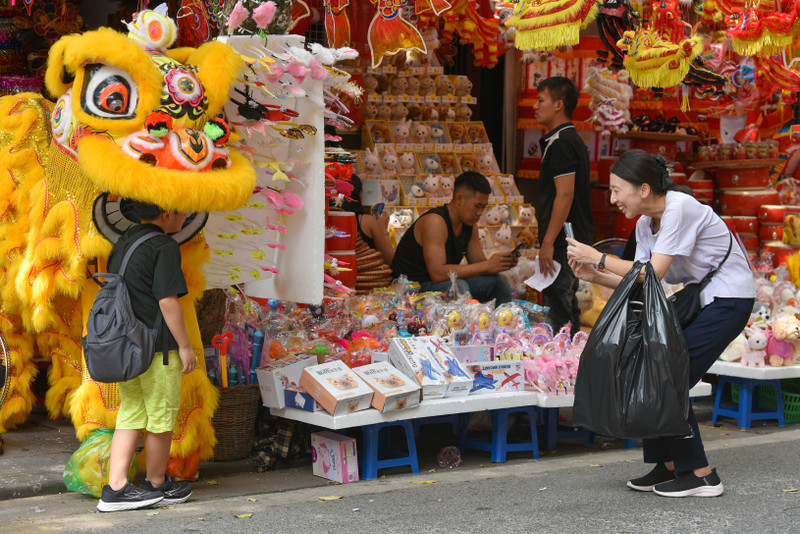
(575, 494)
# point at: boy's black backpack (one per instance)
(118, 346)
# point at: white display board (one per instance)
(239, 240)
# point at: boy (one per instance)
(151, 400)
(563, 196)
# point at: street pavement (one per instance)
(574, 489)
(576, 493)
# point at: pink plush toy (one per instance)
(755, 352)
(389, 161)
(402, 131)
(370, 161)
(783, 340)
(419, 132)
(407, 163)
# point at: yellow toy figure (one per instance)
(133, 120)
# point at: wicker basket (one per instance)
(234, 422)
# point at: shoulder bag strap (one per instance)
(707, 278)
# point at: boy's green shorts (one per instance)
(151, 400)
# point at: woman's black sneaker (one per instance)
(691, 485)
(129, 497)
(174, 491)
(658, 475)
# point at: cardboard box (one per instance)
(336, 387)
(433, 364)
(276, 376)
(472, 353)
(497, 376)
(300, 399)
(333, 456)
(408, 355)
(393, 390)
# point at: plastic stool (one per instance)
(748, 411)
(453, 420)
(374, 443)
(553, 431)
(498, 445)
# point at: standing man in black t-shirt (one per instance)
(562, 196)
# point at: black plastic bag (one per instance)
(633, 377)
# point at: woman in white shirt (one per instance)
(683, 240)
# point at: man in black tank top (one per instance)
(439, 240)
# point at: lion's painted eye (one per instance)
(109, 92)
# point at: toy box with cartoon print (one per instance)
(333, 456)
(496, 376)
(428, 358)
(275, 376)
(297, 397)
(410, 356)
(393, 390)
(336, 387)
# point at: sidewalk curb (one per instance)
(208, 470)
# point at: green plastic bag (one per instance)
(87, 468)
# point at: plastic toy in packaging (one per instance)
(509, 318)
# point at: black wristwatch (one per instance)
(602, 264)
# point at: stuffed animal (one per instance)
(400, 218)
(431, 185)
(506, 183)
(448, 163)
(463, 86)
(430, 164)
(389, 161)
(380, 133)
(426, 85)
(444, 86)
(484, 238)
(468, 162)
(527, 237)
(370, 162)
(525, 215)
(413, 86)
(783, 341)
(755, 351)
(399, 111)
(475, 132)
(463, 113)
(399, 85)
(414, 113)
(486, 163)
(457, 133)
(584, 296)
(407, 162)
(370, 84)
(430, 113)
(491, 217)
(503, 236)
(760, 314)
(448, 112)
(419, 132)
(402, 131)
(370, 111)
(735, 349)
(504, 212)
(418, 190)
(384, 112)
(446, 185)
(437, 132)
(600, 296)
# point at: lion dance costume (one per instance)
(132, 120)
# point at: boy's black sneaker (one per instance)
(658, 475)
(129, 497)
(691, 485)
(174, 491)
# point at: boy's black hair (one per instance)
(147, 212)
(561, 88)
(472, 181)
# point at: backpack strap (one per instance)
(159, 317)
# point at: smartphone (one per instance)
(377, 209)
(568, 230)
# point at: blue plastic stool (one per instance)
(452, 420)
(498, 444)
(375, 442)
(552, 431)
(748, 409)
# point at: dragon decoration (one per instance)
(135, 120)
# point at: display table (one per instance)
(748, 379)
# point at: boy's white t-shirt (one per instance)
(697, 239)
